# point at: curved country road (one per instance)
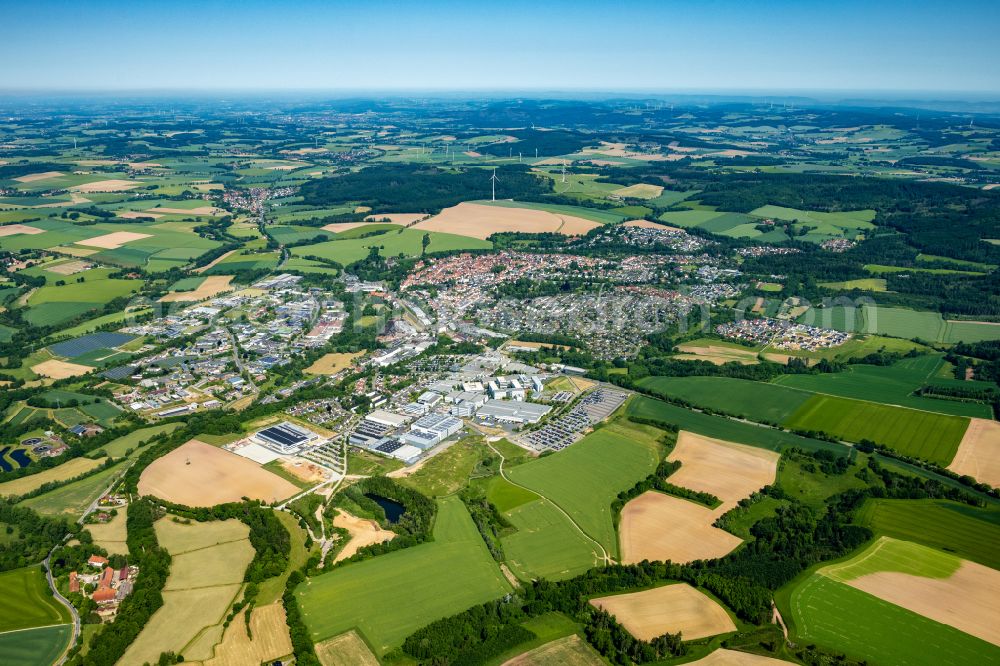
(65, 602)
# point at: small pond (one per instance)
(393, 509)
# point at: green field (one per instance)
(73, 498)
(902, 323)
(390, 596)
(35, 647)
(116, 448)
(966, 531)
(755, 400)
(926, 435)
(887, 384)
(53, 304)
(811, 486)
(882, 269)
(407, 242)
(887, 554)
(723, 428)
(584, 479)
(91, 325)
(841, 223)
(843, 618)
(26, 601)
(864, 284)
(546, 545)
(735, 225)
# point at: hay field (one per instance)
(639, 191)
(69, 267)
(979, 452)
(668, 609)
(331, 364)
(270, 639)
(337, 227)
(206, 573)
(14, 229)
(482, 221)
(211, 286)
(724, 657)
(364, 532)
(60, 369)
(45, 175)
(111, 536)
(404, 219)
(568, 650)
(199, 474)
(655, 526)
(934, 584)
(198, 210)
(67, 470)
(112, 185)
(646, 224)
(728, 470)
(717, 354)
(114, 240)
(345, 650)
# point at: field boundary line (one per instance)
(221, 543)
(44, 626)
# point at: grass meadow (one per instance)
(388, 597)
(546, 545)
(26, 601)
(407, 242)
(584, 479)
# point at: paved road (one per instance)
(64, 601)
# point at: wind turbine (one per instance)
(493, 181)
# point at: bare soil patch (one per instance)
(724, 657)
(717, 354)
(45, 175)
(978, 454)
(60, 369)
(138, 215)
(655, 526)
(198, 474)
(337, 227)
(345, 650)
(668, 609)
(364, 532)
(482, 221)
(307, 471)
(966, 600)
(73, 251)
(69, 267)
(213, 284)
(114, 240)
(727, 470)
(568, 650)
(14, 229)
(113, 185)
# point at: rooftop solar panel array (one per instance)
(283, 435)
(389, 447)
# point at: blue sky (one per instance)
(503, 44)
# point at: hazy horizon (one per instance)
(775, 47)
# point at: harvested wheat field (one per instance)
(639, 191)
(646, 224)
(345, 650)
(213, 284)
(200, 210)
(716, 354)
(724, 657)
(112, 185)
(364, 532)
(60, 369)
(395, 218)
(69, 267)
(655, 526)
(939, 586)
(73, 251)
(337, 227)
(111, 536)
(978, 454)
(213, 263)
(270, 639)
(14, 229)
(482, 221)
(138, 215)
(199, 474)
(331, 364)
(63, 472)
(45, 175)
(114, 240)
(668, 609)
(568, 650)
(727, 470)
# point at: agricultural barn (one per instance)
(285, 438)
